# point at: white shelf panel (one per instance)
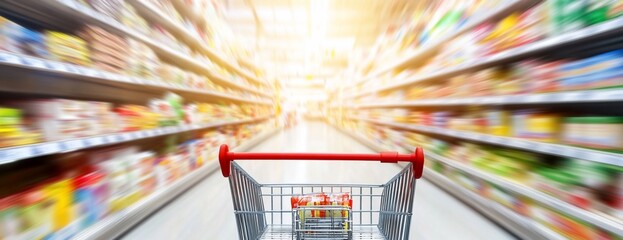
(194, 40)
(528, 228)
(607, 223)
(588, 96)
(118, 223)
(80, 11)
(521, 225)
(12, 154)
(509, 55)
(66, 69)
(511, 6)
(533, 146)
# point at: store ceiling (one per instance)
(296, 39)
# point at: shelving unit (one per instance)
(588, 96)
(577, 45)
(519, 225)
(70, 9)
(222, 109)
(153, 14)
(426, 50)
(596, 219)
(586, 34)
(12, 154)
(34, 64)
(533, 146)
(118, 223)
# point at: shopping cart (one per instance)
(269, 211)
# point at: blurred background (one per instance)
(112, 111)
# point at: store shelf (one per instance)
(65, 69)
(586, 34)
(70, 9)
(521, 225)
(426, 50)
(533, 146)
(525, 227)
(596, 219)
(12, 154)
(589, 96)
(153, 14)
(118, 223)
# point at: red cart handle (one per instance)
(416, 158)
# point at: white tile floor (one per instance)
(206, 211)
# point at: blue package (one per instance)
(33, 43)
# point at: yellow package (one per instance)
(60, 193)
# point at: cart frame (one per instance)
(263, 211)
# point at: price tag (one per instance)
(15, 154)
(524, 144)
(612, 159)
(120, 137)
(548, 148)
(128, 136)
(33, 62)
(134, 80)
(46, 148)
(111, 138)
(89, 72)
(57, 66)
(174, 129)
(489, 139)
(150, 133)
(95, 141)
(72, 145)
(9, 58)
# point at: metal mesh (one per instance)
(264, 211)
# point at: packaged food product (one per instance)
(600, 71)
(33, 43)
(60, 193)
(498, 122)
(10, 224)
(108, 51)
(563, 224)
(68, 48)
(322, 199)
(10, 34)
(536, 125)
(567, 15)
(598, 11)
(90, 197)
(600, 132)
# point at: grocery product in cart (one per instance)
(323, 211)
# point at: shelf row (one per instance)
(533, 146)
(118, 223)
(525, 227)
(604, 222)
(607, 223)
(585, 34)
(425, 50)
(593, 96)
(154, 14)
(12, 154)
(75, 10)
(66, 69)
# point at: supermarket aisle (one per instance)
(206, 212)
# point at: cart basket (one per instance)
(266, 211)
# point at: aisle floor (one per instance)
(206, 211)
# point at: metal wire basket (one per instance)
(264, 211)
